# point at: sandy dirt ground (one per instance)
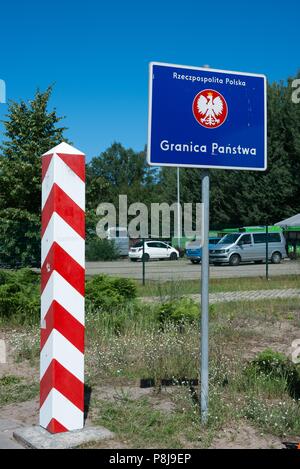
(240, 435)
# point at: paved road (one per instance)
(250, 295)
(7, 428)
(185, 270)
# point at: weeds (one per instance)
(14, 389)
(131, 340)
(25, 345)
(136, 422)
(176, 288)
(280, 418)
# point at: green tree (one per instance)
(114, 172)
(30, 130)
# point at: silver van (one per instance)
(120, 237)
(234, 248)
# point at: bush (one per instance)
(19, 238)
(101, 250)
(125, 287)
(126, 318)
(5, 276)
(104, 292)
(181, 310)
(277, 366)
(19, 296)
(27, 277)
(178, 311)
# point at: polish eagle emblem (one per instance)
(210, 108)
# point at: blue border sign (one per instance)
(206, 118)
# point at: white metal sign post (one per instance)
(204, 297)
(205, 118)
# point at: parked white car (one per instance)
(153, 250)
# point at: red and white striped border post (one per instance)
(62, 286)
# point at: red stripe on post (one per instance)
(56, 427)
(58, 201)
(45, 164)
(58, 377)
(76, 163)
(58, 318)
(59, 260)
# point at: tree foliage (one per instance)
(238, 198)
(30, 131)
(117, 171)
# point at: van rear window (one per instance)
(261, 238)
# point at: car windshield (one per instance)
(229, 238)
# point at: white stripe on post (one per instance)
(67, 238)
(61, 174)
(57, 407)
(62, 297)
(60, 290)
(59, 348)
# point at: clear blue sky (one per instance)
(97, 54)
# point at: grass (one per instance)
(139, 424)
(132, 343)
(128, 342)
(281, 418)
(261, 310)
(140, 348)
(146, 350)
(175, 288)
(25, 344)
(15, 389)
(143, 426)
